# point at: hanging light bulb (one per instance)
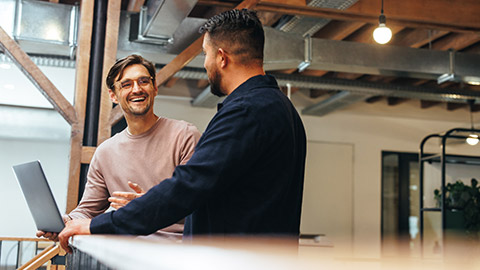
(472, 139)
(382, 34)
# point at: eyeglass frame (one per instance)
(133, 80)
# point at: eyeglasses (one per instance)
(128, 84)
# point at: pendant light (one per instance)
(382, 34)
(472, 139)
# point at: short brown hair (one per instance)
(121, 64)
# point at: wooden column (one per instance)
(81, 87)
(110, 55)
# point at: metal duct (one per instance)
(159, 19)
(365, 88)
(339, 100)
(309, 26)
(54, 34)
(286, 51)
(206, 99)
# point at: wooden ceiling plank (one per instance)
(469, 24)
(464, 12)
(338, 30)
(417, 38)
(36, 76)
(456, 41)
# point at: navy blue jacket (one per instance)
(245, 177)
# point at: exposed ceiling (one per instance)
(428, 28)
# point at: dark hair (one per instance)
(118, 68)
(240, 32)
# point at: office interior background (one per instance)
(362, 176)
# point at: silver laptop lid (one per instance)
(39, 197)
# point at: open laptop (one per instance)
(39, 197)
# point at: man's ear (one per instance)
(113, 96)
(222, 58)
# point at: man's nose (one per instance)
(136, 87)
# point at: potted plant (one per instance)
(463, 201)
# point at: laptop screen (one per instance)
(39, 197)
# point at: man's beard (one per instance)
(214, 81)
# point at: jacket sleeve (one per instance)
(223, 152)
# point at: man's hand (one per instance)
(73, 227)
(50, 235)
(121, 199)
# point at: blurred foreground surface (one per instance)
(121, 252)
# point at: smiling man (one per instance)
(246, 175)
(145, 153)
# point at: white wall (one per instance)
(369, 135)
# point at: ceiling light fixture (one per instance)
(382, 34)
(472, 139)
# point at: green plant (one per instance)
(461, 197)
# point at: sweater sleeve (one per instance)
(192, 135)
(95, 196)
(223, 152)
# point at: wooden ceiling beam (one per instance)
(356, 13)
(458, 13)
(456, 41)
(417, 38)
(338, 30)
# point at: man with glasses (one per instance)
(140, 156)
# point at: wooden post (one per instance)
(110, 55)
(81, 87)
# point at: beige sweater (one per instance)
(145, 159)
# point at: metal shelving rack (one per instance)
(443, 158)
